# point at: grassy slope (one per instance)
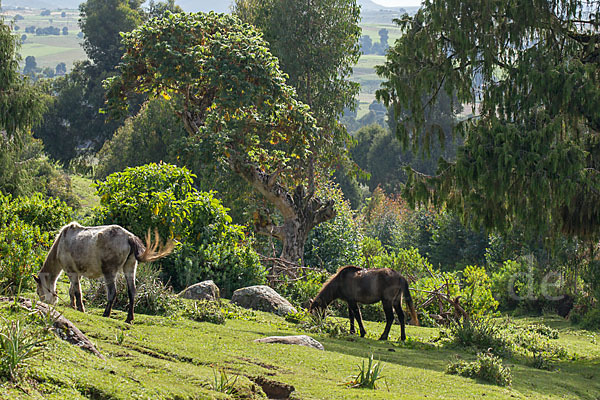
(175, 358)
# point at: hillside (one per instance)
(160, 358)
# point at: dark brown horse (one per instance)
(367, 286)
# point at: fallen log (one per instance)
(63, 328)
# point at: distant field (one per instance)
(49, 50)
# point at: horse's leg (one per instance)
(389, 318)
(356, 311)
(111, 293)
(129, 272)
(72, 279)
(400, 312)
(78, 299)
(351, 318)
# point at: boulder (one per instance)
(206, 290)
(300, 340)
(262, 298)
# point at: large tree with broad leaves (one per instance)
(235, 99)
(531, 153)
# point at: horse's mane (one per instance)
(340, 271)
(54, 249)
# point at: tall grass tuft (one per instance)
(17, 347)
(368, 375)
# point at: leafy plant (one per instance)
(368, 375)
(480, 334)
(321, 323)
(17, 346)
(205, 311)
(223, 383)
(487, 367)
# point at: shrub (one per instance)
(299, 292)
(48, 214)
(477, 292)
(591, 319)
(22, 252)
(205, 311)
(480, 334)
(162, 196)
(487, 367)
(321, 323)
(153, 297)
(336, 242)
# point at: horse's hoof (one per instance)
(383, 338)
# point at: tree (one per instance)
(30, 66)
(61, 68)
(383, 38)
(102, 40)
(317, 44)
(365, 44)
(234, 98)
(21, 106)
(65, 31)
(531, 156)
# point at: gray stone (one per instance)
(206, 290)
(262, 298)
(300, 340)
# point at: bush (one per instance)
(336, 242)
(48, 214)
(591, 320)
(487, 367)
(477, 292)
(22, 252)
(161, 196)
(205, 311)
(152, 297)
(299, 292)
(480, 334)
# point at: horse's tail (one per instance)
(409, 302)
(150, 252)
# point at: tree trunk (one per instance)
(301, 211)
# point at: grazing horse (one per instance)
(94, 252)
(367, 286)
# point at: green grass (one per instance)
(159, 357)
(49, 50)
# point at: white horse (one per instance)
(94, 252)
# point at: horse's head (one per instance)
(316, 304)
(44, 291)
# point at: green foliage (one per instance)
(487, 367)
(102, 41)
(368, 375)
(223, 383)
(162, 196)
(479, 334)
(321, 323)
(591, 320)
(300, 291)
(241, 105)
(18, 345)
(26, 226)
(477, 292)
(334, 243)
(153, 296)
(537, 100)
(205, 311)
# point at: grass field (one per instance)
(49, 50)
(175, 358)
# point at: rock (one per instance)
(300, 340)
(262, 298)
(206, 290)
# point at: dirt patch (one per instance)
(273, 389)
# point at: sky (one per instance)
(398, 3)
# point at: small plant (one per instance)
(297, 317)
(205, 311)
(482, 334)
(368, 375)
(487, 367)
(320, 323)
(223, 383)
(17, 347)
